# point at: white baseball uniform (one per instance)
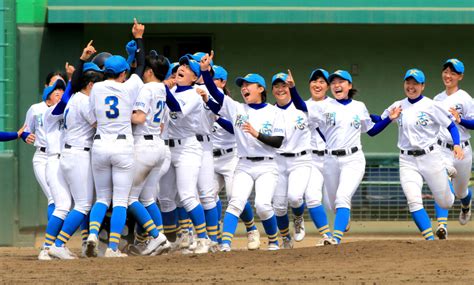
(75, 159)
(35, 124)
(418, 128)
(111, 103)
(462, 102)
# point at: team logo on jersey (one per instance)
(61, 124)
(214, 128)
(331, 119)
(39, 119)
(240, 120)
(174, 115)
(458, 108)
(356, 122)
(266, 128)
(423, 119)
(300, 124)
(140, 104)
(400, 120)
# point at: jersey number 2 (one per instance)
(113, 112)
(160, 105)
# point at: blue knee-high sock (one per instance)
(229, 227)
(247, 218)
(441, 215)
(423, 222)
(283, 223)
(219, 209)
(50, 210)
(340, 222)
(170, 221)
(143, 218)
(320, 220)
(219, 218)
(85, 227)
(52, 230)
(466, 201)
(183, 217)
(298, 211)
(71, 224)
(117, 223)
(211, 223)
(199, 221)
(271, 229)
(155, 214)
(97, 217)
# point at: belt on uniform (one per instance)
(319, 152)
(294, 154)
(201, 138)
(342, 152)
(42, 149)
(221, 152)
(451, 146)
(172, 143)
(417, 152)
(148, 137)
(119, 137)
(257, 158)
(68, 147)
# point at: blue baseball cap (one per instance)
(172, 69)
(194, 65)
(116, 64)
(279, 77)
(58, 84)
(341, 74)
(197, 56)
(456, 64)
(219, 72)
(91, 66)
(251, 78)
(319, 72)
(416, 74)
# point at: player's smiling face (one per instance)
(185, 76)
(251, 92)
(340, 88)
(55, 97)
(318, 88)
(281, 91)
(412, 88)
(450, 77)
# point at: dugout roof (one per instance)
(263, 11)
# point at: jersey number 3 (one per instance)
(113, 112)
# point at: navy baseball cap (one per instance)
(457, 65)
(416, 74)
(319, 72)
(194, 65)
(279, 77)
(116, 64)
(172, 69)
(91, 66)
(341, 74)
(58, 84)
(251, 78)
(219, 72)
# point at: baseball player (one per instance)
(342, 121)
(111, 102)
(461, 102)
(418, 127)
(256, 150)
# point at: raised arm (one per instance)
(138, 30)
(205, 65)
(299, 103)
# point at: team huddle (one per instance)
(153, 142)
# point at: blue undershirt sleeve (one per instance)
(212, 88)
(469, 124)
(8, 136)
(172, 103)
(214, 106)
(59, 109)
(379, 126)
(225, 124)
(453, 130)
(299, 103)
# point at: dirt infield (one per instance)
(362, 259)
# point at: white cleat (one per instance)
(202, 246)
(162, 249)
(465, 215)
(253, 240)
(214, 246)
(273, 246)
(442, 232)
(110, 253)
(333, 241)
(154, 243)
(193, 241)
(287, 243)
(298, 223)
(325, 240)
(185, 239)
(92, 245)
(225, 247)
(44, 254)
(61, 252)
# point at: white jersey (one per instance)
(152, 101)
(419, 123)
(222, 139)
(297, 133)
(317, 141)
(54, 129)
(207, 116)
(111, 103)
(35, 123)
(78, 121)
(187, 122)
(341, 124)
(462, 102)
(266, 120)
